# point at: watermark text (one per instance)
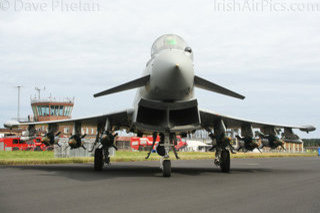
(50, 5)
(276, 6)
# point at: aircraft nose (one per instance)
(172, 61)
(172, 74)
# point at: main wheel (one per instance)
(225, 161)
(98, 160)
(166, 168)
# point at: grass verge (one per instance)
(47, 157)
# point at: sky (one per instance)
(266, 50)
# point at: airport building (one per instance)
(294, 146)
(9, 132)
(47, 109)
(51, 108)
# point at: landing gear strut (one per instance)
(106, 156)
(153, 143)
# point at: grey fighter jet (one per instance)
(165, 105)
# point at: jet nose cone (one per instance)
(178, 69)
(172, 61)
(172, 74)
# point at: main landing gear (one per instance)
(225, 161)
(101, 156)
(222, 146)
(98, 160)
(101, 153)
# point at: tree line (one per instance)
(311, 142)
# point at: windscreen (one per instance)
(168, 41)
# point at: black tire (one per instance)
(225, 161)
(98, 160)
(166, 168)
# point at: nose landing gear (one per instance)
(166, 141)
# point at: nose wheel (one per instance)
(166, 168)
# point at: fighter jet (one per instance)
(165, 105)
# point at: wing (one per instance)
(140, 82)
(207, 85)
(121, 119)
(210, 118)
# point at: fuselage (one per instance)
(167, 102)
(171, 77)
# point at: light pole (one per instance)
(18, 113)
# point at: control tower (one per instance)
(46, 109)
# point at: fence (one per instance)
(64, 151)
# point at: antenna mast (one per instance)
(39, 91)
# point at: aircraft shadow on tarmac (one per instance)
(86, 173)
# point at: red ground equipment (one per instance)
(144, 143)
(14, 143)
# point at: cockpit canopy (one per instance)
(168, 41)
